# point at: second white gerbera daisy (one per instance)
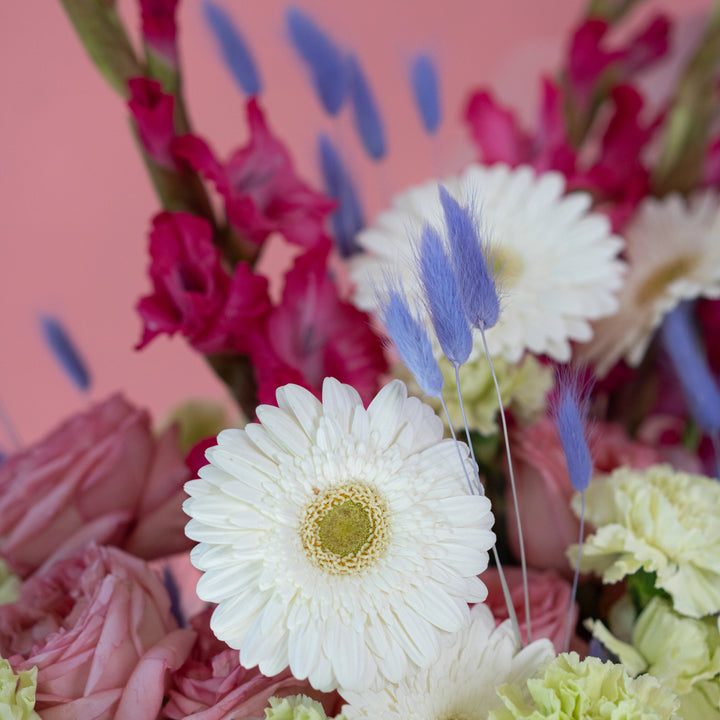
(673, 253)
(557, 262)
(337, 540)
(463, 683)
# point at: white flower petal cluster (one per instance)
(341, 541)
(464, 680)
(673, 254)
(556, 261)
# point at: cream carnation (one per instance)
(574, 689)
(17, 693)
(683, 653)
(662, 521)
(462, 683)
(557, 262)
(673, 254)
(340, 541)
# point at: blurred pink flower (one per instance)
(98, 627)
(665, 433)
(152, 110)
(545, 491)
(193, 294)
(212, 685)
(588, 59)
(313, 334)
(159, 28)
(262, 193)
(103, 476)
(549, 603)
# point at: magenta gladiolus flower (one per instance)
(262, 193)
(159, 28)
(192, 292)
(313, 334)
(152, 110)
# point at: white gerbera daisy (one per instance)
(340, 541)
(673, 253)
(462, 683)
(557, 263)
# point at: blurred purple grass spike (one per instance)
(65, 351)
(682, 344)
(569, 410)
(442, 297)
(368, 122)
(410, 338)
(233, 48)
(469, 253)
(173, 590)
(322, 56)
(426, 91)
(348, 217)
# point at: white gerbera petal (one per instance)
(461, 684)
(673, 253)
(558, 263)
(340, 541)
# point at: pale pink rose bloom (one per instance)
(212, 685)
(98, 627)
(103, 476)
(549, 602)
(544, 488)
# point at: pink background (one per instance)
(76, 203)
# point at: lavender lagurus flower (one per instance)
(368, 122)
(410, 338)
(323, 59)
(478, 289)
(682, 344)
(65, 351)
(443, 298)
(424, 81)
(233, 48)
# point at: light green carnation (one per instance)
(9, 585)
(683, 653)
(523, 388)
(663, 522)
(574, 689)
(196, 420)
(17, 693)
(296, 707)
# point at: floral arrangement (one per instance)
(477, 472)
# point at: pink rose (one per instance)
(103, 476)
(212, 685)
(549, 603)
(98, 627)
(544, 488)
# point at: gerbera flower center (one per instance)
(655, 284)
(345, 528)
(507, 266)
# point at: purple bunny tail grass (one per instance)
(426, 92)
(569, 409)
(513, 487)
(410, 338)
(65, 351)
(478, 288)
(442, 297)
(348, 217)
(233, 48)
(368, 122)
(323, 58)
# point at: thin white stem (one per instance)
(503, 582)
(10, 429)
(462, 410)
(576, 575)
(523, 563)
(457, 446)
